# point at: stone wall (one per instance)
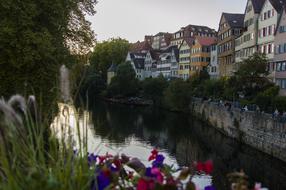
(256, 129)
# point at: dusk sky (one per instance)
(133, 19)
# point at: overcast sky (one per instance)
(133, 19)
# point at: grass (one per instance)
(32, 158)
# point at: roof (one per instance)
(140, 46)
(136, 55)
(206, 41)
(155, 54)
(234, 20)
(112, 68)
(191, 27)
(282, 15)
(278, 4)
(257, 5)
(139, 63)
(189, 41)
(163, 34)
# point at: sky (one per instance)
(133, 19)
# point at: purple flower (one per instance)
(159, 161)
(148, 172)
(91, 159)
(102, 182)
(210, 188)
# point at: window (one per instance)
(282, 29)
(268, 14)
(270, 30)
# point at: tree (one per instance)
(177, 96)
(125, 82)
(153, 88)
(108, 52)
(251, 77)
(36, 37)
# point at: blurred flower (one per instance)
(206, 167)
(153, 155)
(158, 161)
(210, 188)
(91, 158)
(103, 181)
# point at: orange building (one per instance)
(201, 53)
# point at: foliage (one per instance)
(214, 88)
(108, 52)
(279, 103)
(250, 79)
(29, 157)
(124, 83)
(197, 81)
(177, 96)
(265, 99)
(36, 37)
(153, 88)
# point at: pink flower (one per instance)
(257, 186)
(158, 174)
(143, 184)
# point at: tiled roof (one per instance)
(257, 5)
(203, 29)
(206, 41)
(155, 54)
(278, 4)
(136, 55)
(139, 63)
(189, 41)
(162, 34)
(112, 68)
(234, 20)
(140, 46)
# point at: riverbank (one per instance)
(129, 101)
(256, 129)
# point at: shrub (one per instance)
(178, 95)
(279, 103)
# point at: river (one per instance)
(182, 138)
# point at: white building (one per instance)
(168, 63)
(137, 61)
(246, 44)
(213, 69)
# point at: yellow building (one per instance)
(200, 53)
(184, 58)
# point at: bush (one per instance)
(124, 83)
(178, 95)
(153, 88)
(279, 103)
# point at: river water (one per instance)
(182, 138)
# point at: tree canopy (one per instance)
(36, 37)
(113, 50)
(251, 76)
(125, 82)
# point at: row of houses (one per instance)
(261, 28)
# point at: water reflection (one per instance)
(181, 138)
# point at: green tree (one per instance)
(177, 96)
(125, 82)
(251, 77)
(153, 88)
(113, 50)
(36, 37)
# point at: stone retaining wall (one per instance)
(256, 129)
